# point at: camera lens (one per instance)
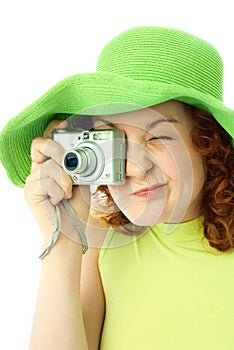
(71, 161)
(80, 161)
(84, 163)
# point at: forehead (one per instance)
(169, 111)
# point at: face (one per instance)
(164, 174)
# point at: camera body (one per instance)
(94, 157)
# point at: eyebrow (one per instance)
(163, 120)
(104, 121)
(149, 126)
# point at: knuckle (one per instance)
(48, 168)
(50, 127)
(37, 150)
(35, 142)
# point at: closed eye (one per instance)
(163, 137)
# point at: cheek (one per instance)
(198, 171)
(177, 166)
(187, 175)
(174, 162)
(183, 159)
(168, 168)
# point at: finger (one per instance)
(41, 204)
(42, 197)
(39, 191)
(50, 169)
(43, 148)
(51, 188)
(53, 125)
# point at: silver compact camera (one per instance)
(93, 156)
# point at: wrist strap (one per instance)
(77, 224)
(55, 234)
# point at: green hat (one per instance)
(141, 67)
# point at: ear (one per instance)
(53, 125)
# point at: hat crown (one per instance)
(164, 55)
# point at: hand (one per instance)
(45, 187)
(48, 184)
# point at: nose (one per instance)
(138, 161)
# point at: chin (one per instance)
(144, 220)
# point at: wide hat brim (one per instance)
(93, 94)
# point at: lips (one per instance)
(149, 191)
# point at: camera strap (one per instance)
(55, 234)
(77, 224)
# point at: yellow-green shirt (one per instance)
(167, 290)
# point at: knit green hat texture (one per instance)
(139, 68)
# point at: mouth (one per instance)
(149, 191)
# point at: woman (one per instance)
(163, 277)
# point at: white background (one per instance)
(42, 42)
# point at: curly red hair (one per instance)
(216, 148)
